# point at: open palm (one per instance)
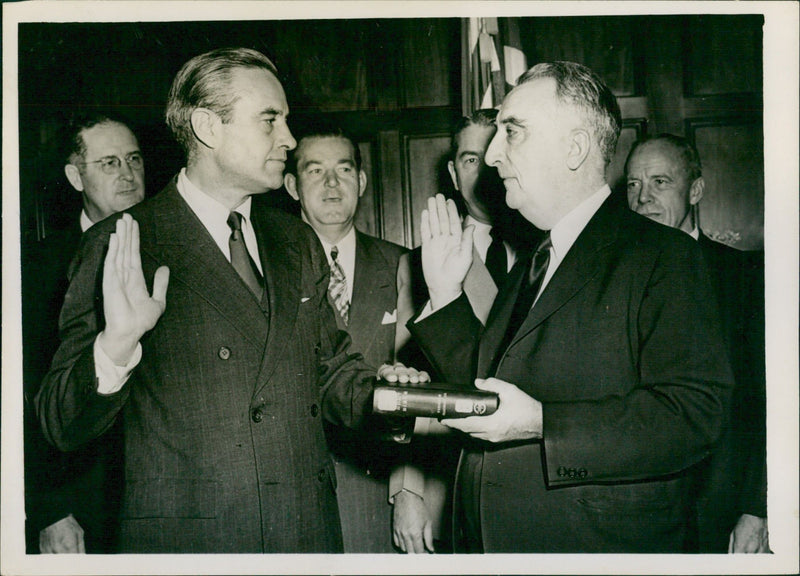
(130, 310)
(446, 251)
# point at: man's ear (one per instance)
(290, 183)
(205, 125)
(451, 167)
(362, 182)
(579, 146)
(74, 176)
(696, 190)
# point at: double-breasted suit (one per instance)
(361, 466)
(624, 351)
(224, 444)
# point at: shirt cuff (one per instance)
(110, 377)
(428, 309)
(406, 477)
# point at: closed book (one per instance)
(433, 400)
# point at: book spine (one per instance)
(435, 404)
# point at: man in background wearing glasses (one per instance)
(71, 499)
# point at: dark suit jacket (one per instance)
(624, 351)
(224, 445)
(84, 483)
(734, 481)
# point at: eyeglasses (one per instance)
(112, 164)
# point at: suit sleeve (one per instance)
(68, 406)
(345, 380)
(449, 339)
(670, 418)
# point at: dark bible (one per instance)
(433, 400)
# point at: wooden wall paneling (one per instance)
(328, 61)
(431, 62)
(723, 54)
(425, 174)
(391, 181)
(369, 216)
(633, 129)
(732, 153)
(604, 44)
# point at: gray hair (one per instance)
(204, 82)
(579, 86)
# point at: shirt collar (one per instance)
(346, 245)
(86, 223)
(564, 234)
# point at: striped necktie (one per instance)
(240, 257)
(337, 287)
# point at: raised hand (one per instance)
(129, 309)
(446, 252)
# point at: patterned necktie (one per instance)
(496, 258)
(337, 287)
(240, 257)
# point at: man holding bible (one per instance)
(592, 344)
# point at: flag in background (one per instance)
(493, 61)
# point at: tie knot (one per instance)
(334, 253)
(235, 221)
(544, 244)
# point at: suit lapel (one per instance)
(195, 260)
(373, 286)
(283, 273)
(587, 256)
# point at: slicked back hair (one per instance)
(579, 86)
(321, 130)
(77, 123)
(685, 149)
(204, 82)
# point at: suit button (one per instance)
(572, 472)
(582, 472)
(314, 410)
(562, 471)
(321, 475)
(224, 353)
(317, 349)
(257, 415)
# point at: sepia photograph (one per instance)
(375, 287)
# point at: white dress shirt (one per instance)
(482, 238)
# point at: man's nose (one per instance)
(285, 138)
(645, 195)
(331, 178)
(125, 170)
(492, 157)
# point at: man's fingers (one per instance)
(160, 284)
(428, 537)
(424, 226)
(433, 218)
(135, 260)
(454, 220)
(442, 214)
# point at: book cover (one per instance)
(434, 400)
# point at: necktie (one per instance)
(337, 287)
(537, 267)
(496, 258)
(240, 257)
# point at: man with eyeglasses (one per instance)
(72, 498)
